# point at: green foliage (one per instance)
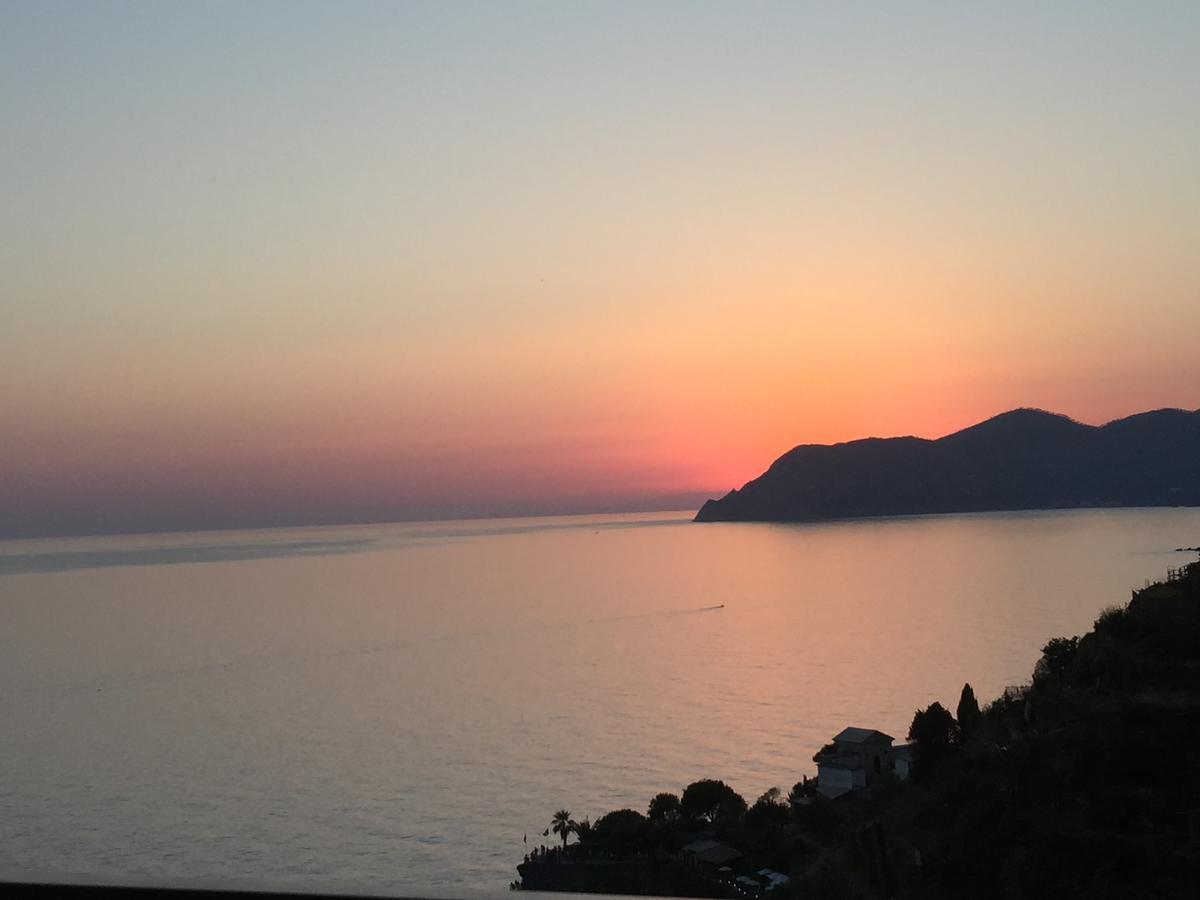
(1067, 792)
(622, 829)
(933, 727)
(563, 825)
(871, 852)
(769, 811)
(968, 711)
(1113, 621)
(799, 790)
(934, 734)
(1057, 792)
(584, 831)
(665, 809)
(712, 800)
(818, 817)
(1057, 657)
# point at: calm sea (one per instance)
(395, 707)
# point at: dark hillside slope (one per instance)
(1086, 783)
(1023, 459)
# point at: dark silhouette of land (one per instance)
(1023, 459)
(1084, 782)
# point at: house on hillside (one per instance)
(856, 759)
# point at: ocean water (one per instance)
(392, 708)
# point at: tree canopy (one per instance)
(799, 790)
(1057, 656)
(563, 825)
(769, 811)
(968, 711)
(621, 829)
(665, 809)
(934, 732)
(712, 800)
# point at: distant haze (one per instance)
(287, 263)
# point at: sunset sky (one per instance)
(288, 263)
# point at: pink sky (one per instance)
(407, 263)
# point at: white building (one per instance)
(857, 758)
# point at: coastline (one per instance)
(1043, 788)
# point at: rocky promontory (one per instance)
(1022, 459)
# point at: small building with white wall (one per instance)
(857, 758)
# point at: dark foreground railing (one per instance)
(85, 890)
(104, 891)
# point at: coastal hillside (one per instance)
(1083, 782)
(1022, 459)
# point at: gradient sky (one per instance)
(291, 263)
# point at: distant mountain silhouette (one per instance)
(1023, 459)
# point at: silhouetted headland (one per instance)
(1023, 459)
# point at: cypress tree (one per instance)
(968, 711)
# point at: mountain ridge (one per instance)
(1023, 458)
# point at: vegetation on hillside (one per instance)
(1021, 459)
(1086, 782)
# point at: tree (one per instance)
(712, 801)
(772, 796)
(563, 825)
(769, 811)
(665, 809)
(1057, 657)
(584, 831)
(818, 816)
(968, 711)
(622, 829)
(801, 790)
(934, 732)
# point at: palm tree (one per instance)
(583, 830)
(563, 825)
